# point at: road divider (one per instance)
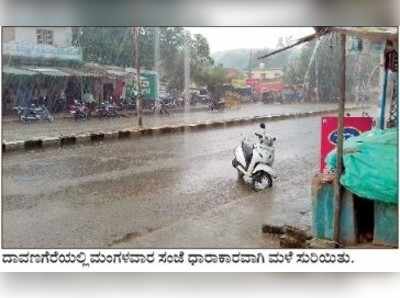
(88, 138)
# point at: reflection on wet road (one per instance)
(176, 190)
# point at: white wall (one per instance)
(62, 35)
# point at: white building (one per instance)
(40, 42)
(267, 74)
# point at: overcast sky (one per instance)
(225, 38)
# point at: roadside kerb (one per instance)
(51, 142)
(111, 135)
(138, 132)
(67, 140)
(82, 138)
(13, 146)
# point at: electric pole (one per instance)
(186, 70)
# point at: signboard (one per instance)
(27, 49)
(269, 86)
(353, 126)
(252, 82)
(149, 86)
(265, 86)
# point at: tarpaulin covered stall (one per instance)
(370, 165)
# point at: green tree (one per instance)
(298, 60)
(115, 46)
(214, 78)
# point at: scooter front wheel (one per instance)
(261, 181)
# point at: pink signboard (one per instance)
(276, 86)
(264, 86)
(353, 126)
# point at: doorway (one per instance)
(365, 219)
(108, 90)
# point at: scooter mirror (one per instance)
(274, 139)
(262, 125)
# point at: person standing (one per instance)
(89, 100)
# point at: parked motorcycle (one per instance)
(180, 102)
(79, 111)
(128, 104)
(268, 97)
(106, 110)
(253, 160)
(162, 106)
(218, 105)
(59, 105)
(33, 113)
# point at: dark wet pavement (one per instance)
(13, 130)
(177, 190)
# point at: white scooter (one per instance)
(253, 160)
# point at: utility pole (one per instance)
(339, 150)
(186, 66)
(157, 63)
(135, 31)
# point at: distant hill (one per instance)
(239, 58)
(236, 58)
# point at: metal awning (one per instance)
(109, 71)
(118, 73)
(50, 71)
(17, 71)
(86, 70)
(80, 72)
(370, 33)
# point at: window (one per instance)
(44, 36)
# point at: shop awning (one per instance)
(80, 72)
(109, 71)
(117, 73)
(86, 70)
(18, 71)
(49, 71)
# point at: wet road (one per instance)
(12, 130)
(176, 190)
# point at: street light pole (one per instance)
(137, 65)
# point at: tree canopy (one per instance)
(115, 46)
